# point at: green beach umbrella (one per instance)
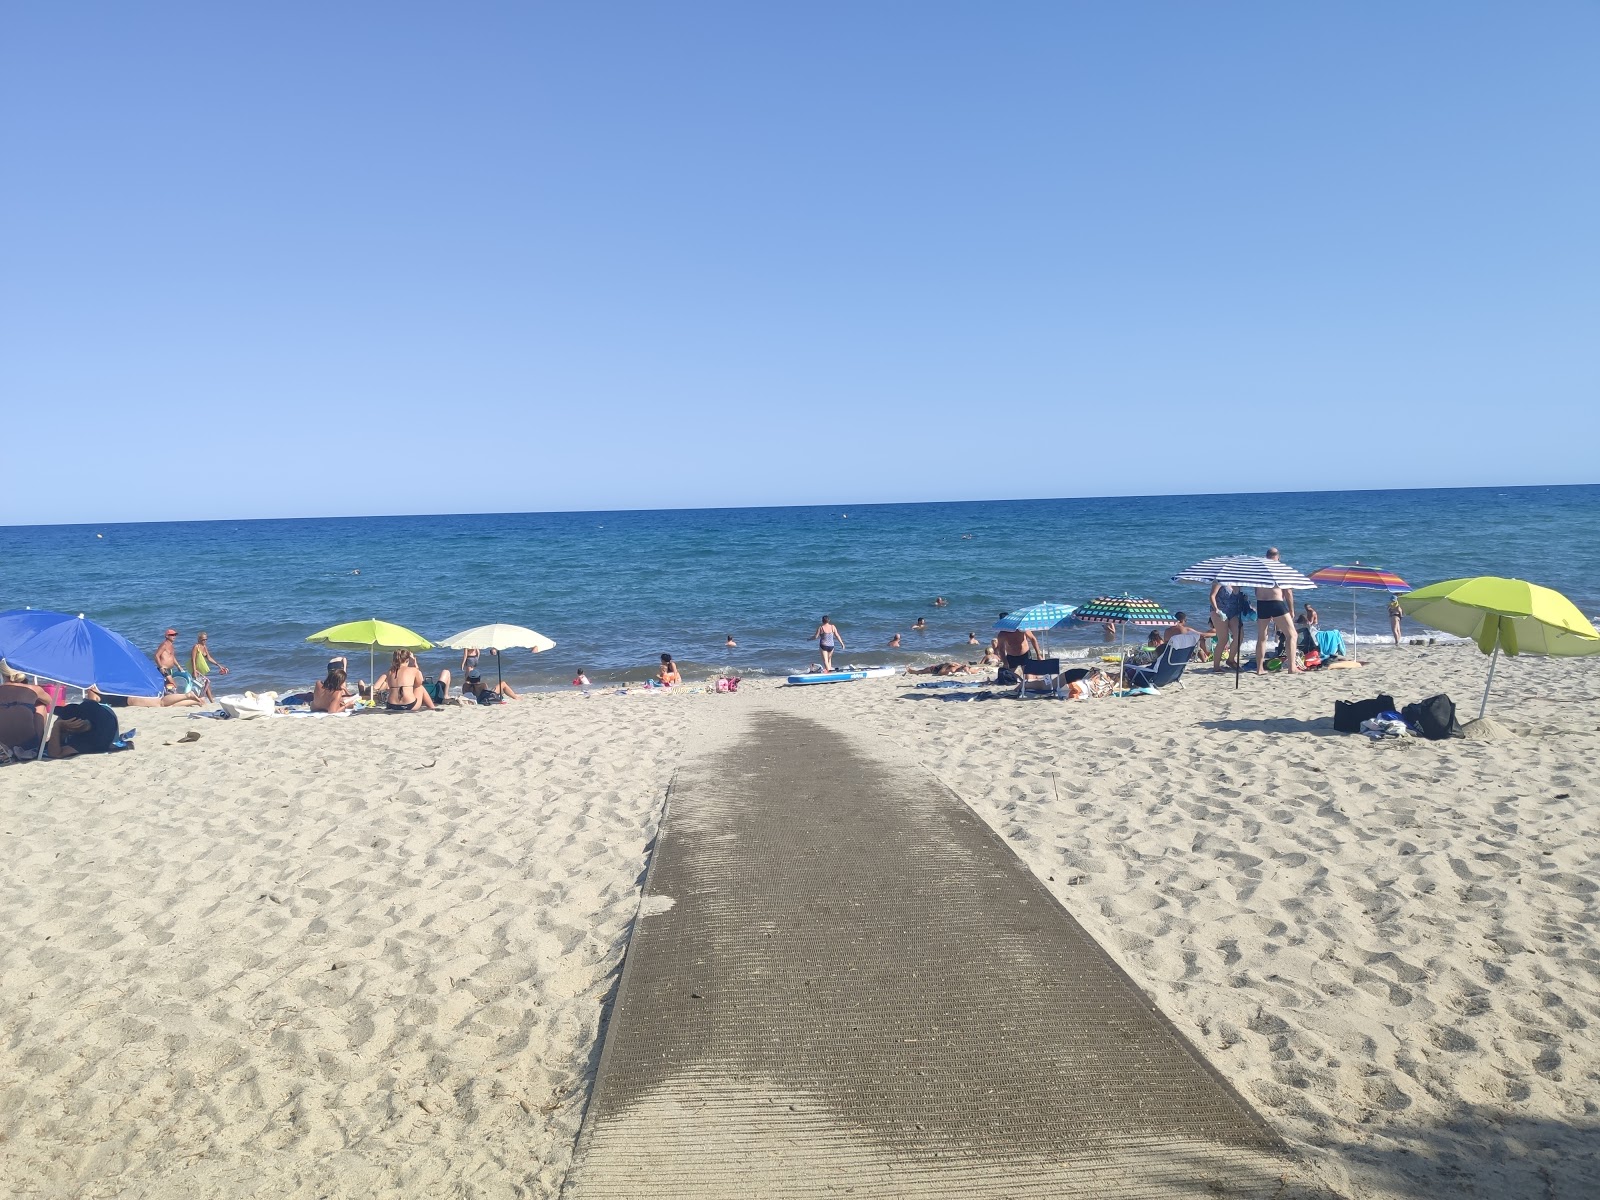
(1504, 614)
(373, 634)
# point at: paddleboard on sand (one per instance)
(846, 676)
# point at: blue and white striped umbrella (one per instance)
(1245, 570)
(1045, 615)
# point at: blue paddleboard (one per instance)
(846, 676)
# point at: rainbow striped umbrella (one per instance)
(1363, 578)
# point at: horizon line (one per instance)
(864, 504)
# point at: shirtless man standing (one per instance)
(167, 656)
(1014, 645)
(1274, 607)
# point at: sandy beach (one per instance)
(370, 956)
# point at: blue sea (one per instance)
(616, 589)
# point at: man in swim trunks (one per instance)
(167, 657)
(1016, 646)
(1274, 610)
(828, 639)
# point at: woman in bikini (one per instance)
(330, 696)
(406, 693)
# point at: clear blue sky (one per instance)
(303, 259)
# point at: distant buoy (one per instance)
(844, 516)
(99, 535)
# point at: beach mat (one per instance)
(842, 982)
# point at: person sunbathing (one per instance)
(948, 668)
(329, 695)
(167, 699)
(477, 688)
(405, 689)
(23, 708)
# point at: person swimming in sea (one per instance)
(920, 625)
(730, 643)
(894, 642)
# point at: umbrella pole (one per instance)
(1484, 707)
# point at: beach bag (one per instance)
(1312, 659)
(1099, 683)
(725, 684)
(1348, 714)
(1434, 718)
(1005, 675)
(490, 697)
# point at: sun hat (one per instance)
(172, 633)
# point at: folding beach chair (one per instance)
(1039, 668)
(1168, 666)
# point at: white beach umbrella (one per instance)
(498, 638)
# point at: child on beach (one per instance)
(668, 675)
(581, 680)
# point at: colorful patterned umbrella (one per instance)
(1123, 610)
(1355, 575)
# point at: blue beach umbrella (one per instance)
(1045, 615)
(77, 652)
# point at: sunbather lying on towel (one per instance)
(949, 668)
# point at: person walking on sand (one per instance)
(1275, 610)
(1394, 618)
(200, 664)
(167, 656)
(828, 639)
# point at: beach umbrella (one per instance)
(1244, 570)
(372, 634)
(497, 638)
(1359, 578)
(1504, 614)
(1045, 615)
(1123, 610)
(76, 651)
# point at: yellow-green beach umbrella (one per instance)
(375, 635)
(1504, 614)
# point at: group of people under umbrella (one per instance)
(55, 648)
(1498, 614)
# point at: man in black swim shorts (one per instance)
(1274, 607)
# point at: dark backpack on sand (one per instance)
(1348, 714)
(1434, 718)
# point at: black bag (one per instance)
(1348, 714)
(1006, 675)
(1434, 718)
(489, 696)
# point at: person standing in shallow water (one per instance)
(828, 639)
